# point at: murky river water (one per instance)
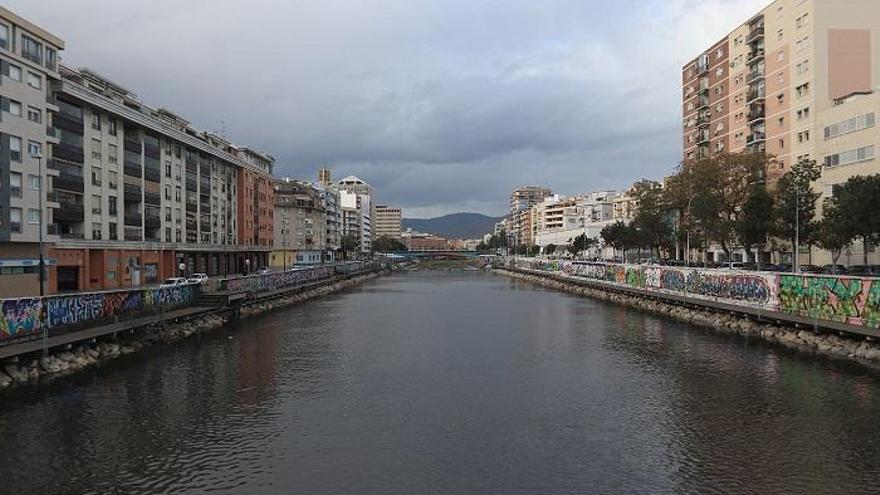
(450, 383)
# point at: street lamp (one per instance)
(39, 157)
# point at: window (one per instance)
(51, 58)
(15, 148)
(96, 121)
(804, 137)
(112, 153)
(781, 143)
(96, 149)
(168, 169)
(4, 36)
(852, 156)
(15, 220)
(781, 121)
(15, 184)
(34, 80)
(167, 192)
(848, 126)
(111, 127)
(177, 172)
(33, 216)
(14, 108)
(780, 34)
(35, 115)
(96, 204)
(34, 181)
(177, 193)
(780, 98)
(112, 179)
(35, 148)
(96, 231)
(803, 67)
(168, 214)
(111, 208)
(803, 113)
(96, 176)
(15, 72)
(31, 49)
(780, 56)
(803, 90)
(113, 235)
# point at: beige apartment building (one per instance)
(388, 220)
(29, 62)
(799, 79)
(300, 224)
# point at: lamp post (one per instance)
(797, 229)
(39, 157)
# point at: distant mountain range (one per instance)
(454, 226)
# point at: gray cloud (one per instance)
(443, 105)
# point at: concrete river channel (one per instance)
(450, 383)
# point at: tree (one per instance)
(350, 242)
(549, 249)
(854, 207)
(833, 232)
(619, 236)
(534, 250)
(795, 210)
(386, 244)
(650, 216)
(754, 222)
(581, 243)
(522, 249)
(712, 193)
(481, 246)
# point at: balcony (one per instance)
(152, 198)
(69, 183)
(755, 138)
(134, 235)
(67, 152)
(703, 102)
(132, 170)
(72, 235)
(756, 111)
(702, 137)
(152, 222)
(192, 207)
(755, 34)
(133, 219)
(755, 75)
(756, 94)
(205, 226)
(756, 55)
(702, 120)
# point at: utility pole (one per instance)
(39, 157)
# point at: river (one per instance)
(450, 383)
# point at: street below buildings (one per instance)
(450, 383)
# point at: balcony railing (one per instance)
(756, 33)
(68, 183)
(755, 138)
(72, 235)
(756, 55)
(133, 219)
(756, 94)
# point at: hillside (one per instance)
(454, 226)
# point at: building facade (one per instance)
(797, 80)
(300, 224)
(357, 213)
(29, 65)
(388, 222)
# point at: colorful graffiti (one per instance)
(21, 318)
(844, 299)
(848, 300)
(277, 280)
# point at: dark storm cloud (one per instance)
(441, 105)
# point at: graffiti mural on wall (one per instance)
(20, 318)
(278, 280)
(848, 300)
(844, 299)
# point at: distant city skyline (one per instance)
(441, 106)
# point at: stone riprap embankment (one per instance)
(804, 339)
(65, 361)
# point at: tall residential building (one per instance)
(29, 62)
(388, 221)
(300, 224)
(324, 177)
(523, 199)
(799, 79)
(358, 212)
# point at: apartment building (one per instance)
(29, 63)
(788, 81)
(388, 222)
(300, 224)
(357, 212)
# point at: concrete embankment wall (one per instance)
(269, 295)
(725, 318)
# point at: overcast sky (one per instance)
(442, 105)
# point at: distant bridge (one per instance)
(433, 255)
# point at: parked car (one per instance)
(833, 269)
(197, 278)
(173, 282)
(810, 269)
(736, 265)
(864, 271)
(782, 267)
(263, 271)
